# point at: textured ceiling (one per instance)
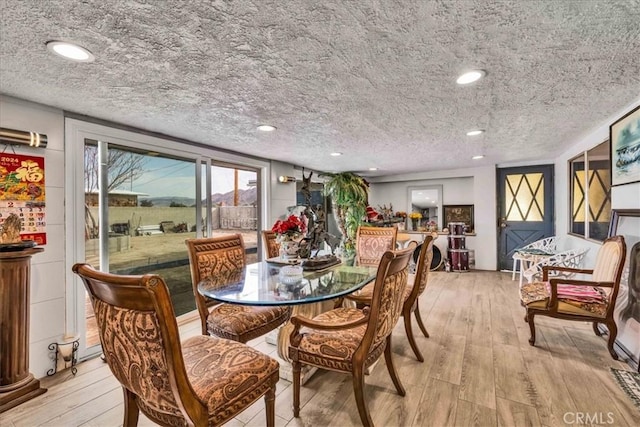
(372, 79)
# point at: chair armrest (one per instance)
(553, 297)
(298, 321)
(547, 268)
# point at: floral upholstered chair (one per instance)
(372, 242)
(416, 285)
(351, 339)
(201, 381)
(225, 255)
(582, 300)
(271, 245)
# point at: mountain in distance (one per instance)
(246, 197)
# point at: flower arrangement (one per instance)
(292, 228)
(415, 215)
(401, 214)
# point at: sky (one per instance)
(169, 177)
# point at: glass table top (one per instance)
(263, 284)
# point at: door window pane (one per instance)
(151, 211)
(235, 205)
(525, 197)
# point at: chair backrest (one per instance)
(387, 300)
(140, 340)
(609, 264)
(373, 242)
(422, 268)
(571, 258)
(271, 245)
(213, 254)
(548, 244)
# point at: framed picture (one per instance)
(624, 135)
(459, 213)
(626, 222)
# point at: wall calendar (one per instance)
(22, 193)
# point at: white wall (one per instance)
(622, 197)
(473, 186)
(47, 268)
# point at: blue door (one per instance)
(525, 209)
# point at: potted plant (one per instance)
(349, 195)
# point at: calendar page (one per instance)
(22, 193)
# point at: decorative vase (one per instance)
(414, 223)
(289, 247)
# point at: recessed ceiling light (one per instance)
(266, 128)
(478, 157)
(336, 154)
(373, 169)
(475, 132)
(470, 77)
(70, 51)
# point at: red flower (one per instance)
(290, 226)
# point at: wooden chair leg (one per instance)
(358, 391)
(131, 410)
(596, 330)
(532, 327)
(296, 388)
(613, 333)
(416, 312)
(412, 341)
(270, 406)
(388, 358)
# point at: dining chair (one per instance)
(271, 245)
(201, 381)
(226, 255)
(415, 287)
(372, 243)
(579, 299)
(351, 339)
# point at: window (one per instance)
(590, 191)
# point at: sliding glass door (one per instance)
(138, 205)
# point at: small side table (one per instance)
(17, 384)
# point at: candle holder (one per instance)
(64, 355)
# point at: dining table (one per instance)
(277, 281)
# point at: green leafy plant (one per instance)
(349, 195)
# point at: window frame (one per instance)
(585, 157)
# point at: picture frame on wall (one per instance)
(459, 213)
(626, 222)
(624, 135)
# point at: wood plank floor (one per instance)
(479, 370)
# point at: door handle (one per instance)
(503, 223)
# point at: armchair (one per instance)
(350, 339)
(582, 300)
(373, 242)
(271, 245)
(232, 321)
(198, 382)
(415, 287)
